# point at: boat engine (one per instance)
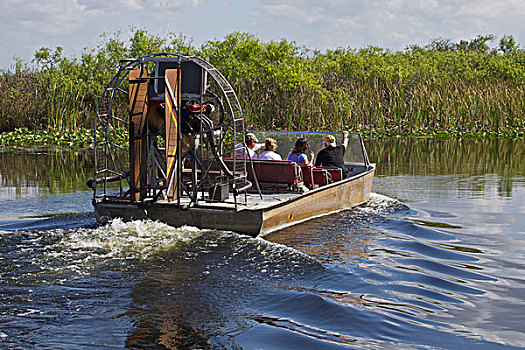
(194, 116)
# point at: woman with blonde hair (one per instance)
(270, 145)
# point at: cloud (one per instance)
(25, 18)
(27, 25)
(390, 23)
(492, 9)
(132, 5)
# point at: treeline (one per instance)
(442, 87)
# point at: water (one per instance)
(433, 261)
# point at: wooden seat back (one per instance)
(273, 174)
(308, 176)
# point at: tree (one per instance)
(441, 44)
(478, 44)
(507, 44)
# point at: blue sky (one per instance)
(27, 25)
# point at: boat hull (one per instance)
(257, 221)
(328, 199)
(243, 221)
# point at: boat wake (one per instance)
(49, 222)
(379, 204)
(139, 239)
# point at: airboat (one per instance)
(167, 132)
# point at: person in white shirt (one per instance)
(270, 145)
(251, 145)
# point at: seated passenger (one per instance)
(332, 155)
(250, 140)
(270, 145)
(298, 153)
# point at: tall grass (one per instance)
(398, 107)
(21, 103)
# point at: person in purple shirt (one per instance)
(298, 153)
(270, 145)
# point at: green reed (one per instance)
(392, 107)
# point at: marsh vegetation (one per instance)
(472, 88)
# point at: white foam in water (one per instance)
(278, 248)
(379, 203)
(135, 239)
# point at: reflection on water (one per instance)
(40, 172)
(43, 182)
(436, 157)
(434, 260)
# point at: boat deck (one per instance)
(250, 200)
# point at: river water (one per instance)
(435, 260)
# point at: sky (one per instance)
(28, 25)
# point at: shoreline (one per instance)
(83, 138)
